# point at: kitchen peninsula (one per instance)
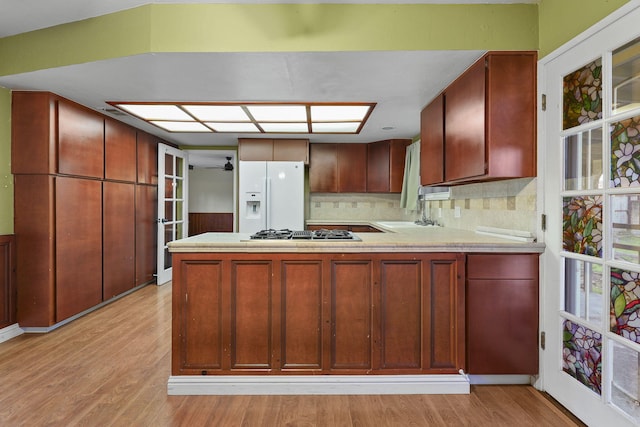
(384, 314)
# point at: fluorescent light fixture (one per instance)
(335, 113)
(155, 111)
(285, 127)
(233, 127)
(251, 117)
(217, 113)
(181, 126)
(278, 113)
(342, 127)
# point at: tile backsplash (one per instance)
(504, 204)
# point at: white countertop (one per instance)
(399, 236)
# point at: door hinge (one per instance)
(543, 102)
(543, 343)
(543, 222)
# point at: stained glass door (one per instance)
(172, 205)
(591, 294)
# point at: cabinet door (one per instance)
(398, 155)
(444, 330)
(511, 114)
(7, 281)
(80, 141)
(118, 206)
(502, 314)
(34, 225)
(323, 168)
(146, 233)
(255, 149)
(198, 316)
(378, 167)
(351, 323)
(400, 314)
(352, 168)
(147, 152)
(252, 286)
(301, 315)
(465, 125)
(78, 245)
(33, 133)
(120, 151)
(291, 150)
(432, 142)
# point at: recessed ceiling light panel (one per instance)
(155, 111)
(335, 113)
(285, 127)
(233, 127)
(278, 113)
(217, 113)
(342, 127)
(181, 126)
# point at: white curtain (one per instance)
(411, 181)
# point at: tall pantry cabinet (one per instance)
(85, 196)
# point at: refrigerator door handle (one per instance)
(267, 202)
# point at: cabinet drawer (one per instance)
(502, 266)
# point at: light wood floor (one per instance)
(110, 368)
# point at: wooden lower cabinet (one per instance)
(7, 281)
(302, 314)
(502, 314)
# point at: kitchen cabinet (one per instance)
(432, 142)
(323, 168)
(54, 136)
(385, 165)
(91, 236)
(147, 158)
(78, 245)
(284, 313)
(489, 122)
(120, 151)
(502, 313)
(263, 149)
(338, 168)
(119, 225)
(7, 281)
(146, 207)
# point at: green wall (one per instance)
(6, 179)
(562, 20)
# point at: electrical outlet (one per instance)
(457, 212)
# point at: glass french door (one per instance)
(590, 134)
(172, 205)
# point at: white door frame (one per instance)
(610, 32)
(178, 223)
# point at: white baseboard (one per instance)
(325, 384)
(501, 379)
(9, 332)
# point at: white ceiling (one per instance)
(400, 82)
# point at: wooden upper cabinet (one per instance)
(385, 165)
(32, 132)
(120, 151)
(397, 154)
(53, 135)
(263, 149)
(147, 155)
(323, 168)
(80, 141)
(432, 142)
(464, 125)
(489, 123)
(378, 167)
(352, 168)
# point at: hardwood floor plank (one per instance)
(110, 368)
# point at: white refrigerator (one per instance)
(271, 196)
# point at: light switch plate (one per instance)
(456, 212)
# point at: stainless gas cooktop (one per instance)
(316, 235)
